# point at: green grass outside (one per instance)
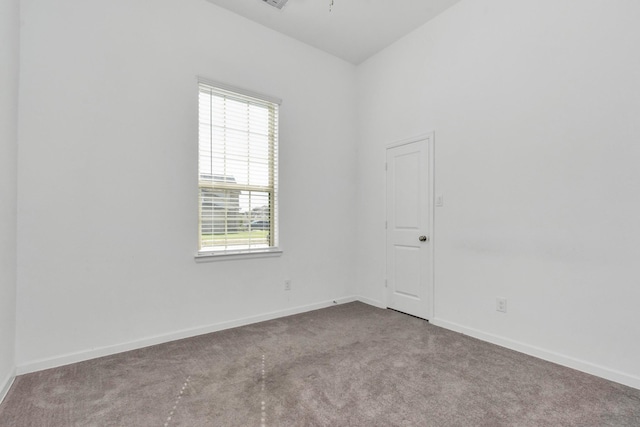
(240, 238)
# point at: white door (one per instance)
(409, 227)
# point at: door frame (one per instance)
(430, 138)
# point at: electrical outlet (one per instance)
(287, 285)
(501, 305)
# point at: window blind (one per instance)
(237, 170)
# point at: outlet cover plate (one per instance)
(501, 305)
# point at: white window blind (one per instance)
(237, 170)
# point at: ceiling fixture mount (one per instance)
(280, 3)
(276, 3)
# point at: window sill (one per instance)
(234, 255)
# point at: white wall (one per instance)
(9, 58)
(534, 105)
(108, 179)
(535, 109)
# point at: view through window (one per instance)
(237, 170)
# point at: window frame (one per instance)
(209, 253)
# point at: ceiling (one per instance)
(352, 30)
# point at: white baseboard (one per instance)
(570, 362)
(6, 384)
(54, 362)
(550, 356)
(371, 302)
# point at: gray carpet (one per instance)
(348, 365)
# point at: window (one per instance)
(237, 171)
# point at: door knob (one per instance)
(423, 238)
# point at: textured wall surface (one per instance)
(534, 107)
(9, 58)
(108, 176)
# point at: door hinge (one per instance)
(386, 165)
